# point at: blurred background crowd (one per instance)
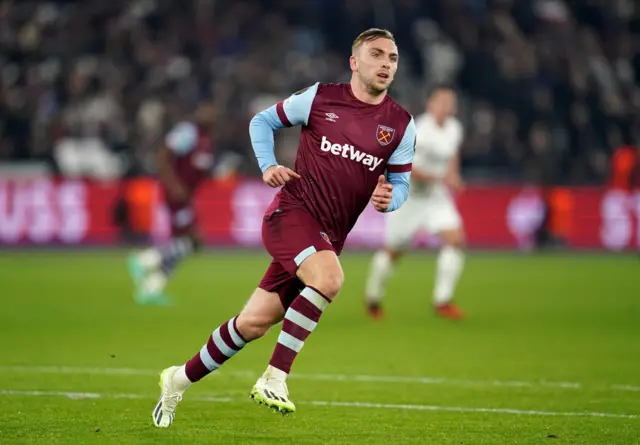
(548, 89)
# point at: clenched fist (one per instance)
(381, 198)
(277, 175)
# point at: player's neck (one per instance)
(360, 92)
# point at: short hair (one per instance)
(441, 87)
(371, 34)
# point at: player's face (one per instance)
(376, 63)
(442, 104)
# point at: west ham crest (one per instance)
(385, 134)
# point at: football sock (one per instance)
(150, 258)
(299, 321)
(448, 270)
(174, 252)
(224, 343)
(180, 379)
(379, 271)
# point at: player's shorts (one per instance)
(290, 235)
(432, 214)
(182, 217)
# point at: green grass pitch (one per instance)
(549, 354)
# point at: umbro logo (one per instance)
(331, 117)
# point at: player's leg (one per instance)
(322, 276)
(156, 264)
(450, 260)
(307, 254)
(381, 268)
(401, 227)
(170, 256)
(263, 310)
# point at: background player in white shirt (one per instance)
(430, 207)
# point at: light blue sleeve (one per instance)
(182, 138)
(403, 154)
(294, 110)
(400, 183)
(297, 107)
(399, 167)
(261, 130)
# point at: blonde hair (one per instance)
(371, 34)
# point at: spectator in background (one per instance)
(624, 168)
(116, 74)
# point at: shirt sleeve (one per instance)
(182, 138)
(294, 110)
(399, 167)
(400, 192)
(402, 157)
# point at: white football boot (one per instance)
(273, 393)
(165, 410)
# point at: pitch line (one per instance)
(333, 377)
(403, 407)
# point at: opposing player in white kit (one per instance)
(435, 176)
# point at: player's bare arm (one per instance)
(453, 178)
(167, 176)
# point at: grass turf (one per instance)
(549, 344)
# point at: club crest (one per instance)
(385, 134)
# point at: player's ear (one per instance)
(353, 63)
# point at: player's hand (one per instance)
(454, 182)
(277, 176)
(381, 198)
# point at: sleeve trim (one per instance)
(282, 115)
(399, 168)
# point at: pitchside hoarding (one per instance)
(77, 212)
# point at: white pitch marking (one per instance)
(407, 407)
(626, 388)
(332, 377)
(94, 395)
(467, 409)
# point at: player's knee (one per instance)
(322, 271)
(454, 238)
(393, 253)
(253, 326)
(459, 241)
(330, 283)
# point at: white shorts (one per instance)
(433, 215)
